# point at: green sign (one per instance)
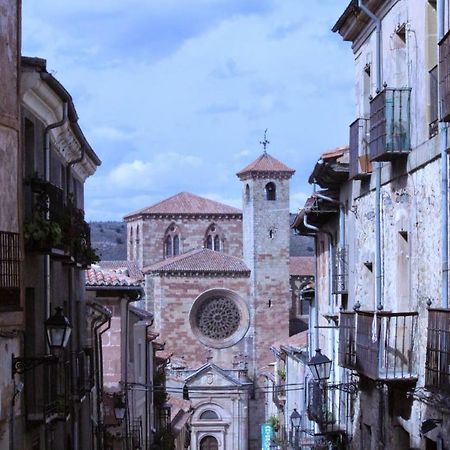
(266, 436)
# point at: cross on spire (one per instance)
(265, 142)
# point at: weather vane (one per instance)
(265, 142)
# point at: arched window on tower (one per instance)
(270, 191)
(176, 245)
(130, 244)
(213, 239)
(172, 244)
(137, 248)
(247, 193)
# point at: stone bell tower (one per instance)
(266, 253)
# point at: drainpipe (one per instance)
(131, 298)
(147, 382)
(47, 275)
(316, 306)
(69, 167)
(444, 168)
(378, 274)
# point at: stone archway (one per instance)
(209, 443)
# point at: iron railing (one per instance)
(340, 271)
(384, 345)
(9, 269)
(347, 340)
(437, 365)
(360, 165)
(433, 126)
(47, 392)
(390, 124)
(330, 406)
(444, 77)
(378, 345)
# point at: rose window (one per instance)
(218, 318)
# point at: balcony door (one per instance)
(209, 443)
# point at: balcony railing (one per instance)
(57, 224)
(444, 77)
(437, 366)
(47, 392)
(331, 407)
(340, 271)
(390, 124)
(383, 349)
(347, 340)
(360, 166)
(9, 269)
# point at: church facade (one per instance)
(217, 282)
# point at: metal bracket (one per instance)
(21, 365)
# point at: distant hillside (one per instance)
(110, 240)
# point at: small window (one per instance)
(209, 415)
(176, 245)
(172, 243)
(270, 191)
(247, 193)
(168, 250)
(213, 238)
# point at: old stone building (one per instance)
(380, 220)
(217, 281)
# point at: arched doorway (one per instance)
(209, 443)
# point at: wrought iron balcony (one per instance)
(383, 348)
(444, 77)
(9, 269)
(360, 166)
(340, 271)
(331, 407)
(347, 340)
(437, 366)
(47, 392)
(390, 124)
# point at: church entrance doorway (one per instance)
(209, 443)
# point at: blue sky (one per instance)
(174, 95)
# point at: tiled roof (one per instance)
(129, 268)
(201, 260)
(301, 266)
(265, 164)
(297, 341)
(186, 203)
(105, 275)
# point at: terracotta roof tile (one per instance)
(299, 341)
(301, 265)
(129, 268)
(115, 277)
(186, 203)
(200, 260)
(263, 164)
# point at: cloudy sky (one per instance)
(174, 95)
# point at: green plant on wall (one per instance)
(274, 422)
(164, 439)
(281, 374)
(42, 233)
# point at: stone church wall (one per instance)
(150, 248)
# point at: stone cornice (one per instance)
(174, 216)
(196, 273)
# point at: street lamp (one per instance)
(295, 419)
(57, 330)
(320, 366)
(119, 409)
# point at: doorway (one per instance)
(209, 443)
